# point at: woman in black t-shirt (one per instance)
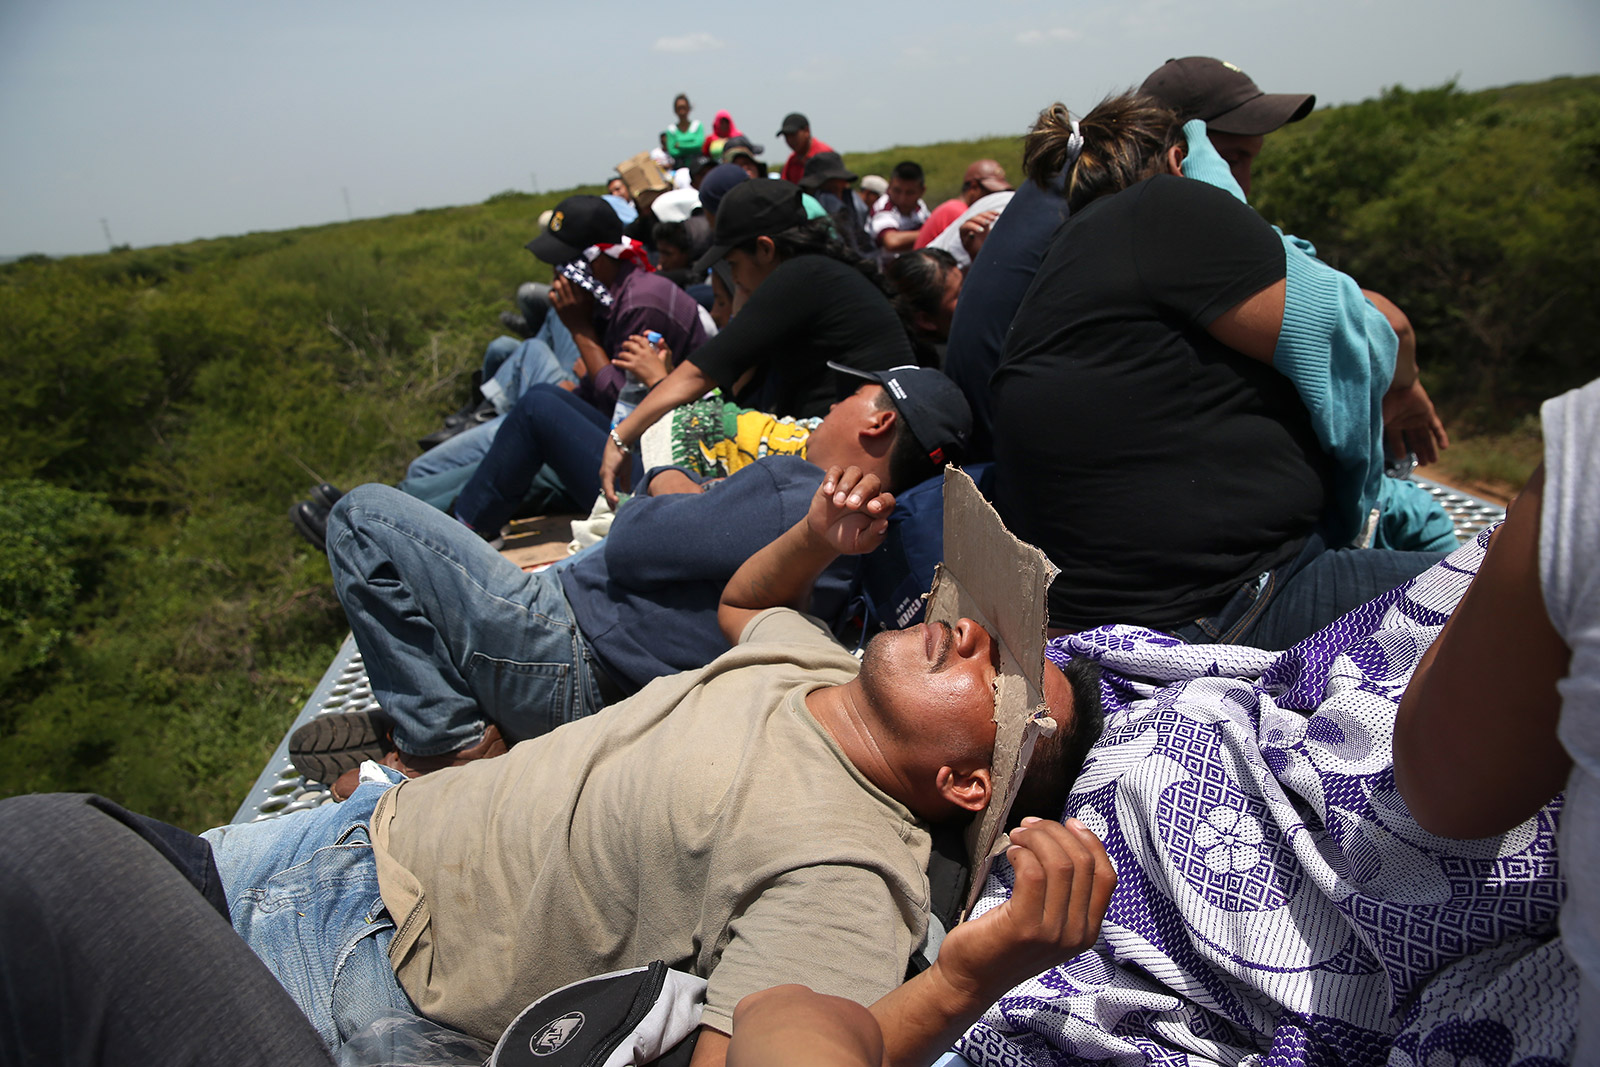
(1142, 438)
(808, 300)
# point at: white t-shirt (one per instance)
(1569, 571)
(886, 217)
(949, 238)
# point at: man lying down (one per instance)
(760, 821)
(1274, 896)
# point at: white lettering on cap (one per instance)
(896, 388)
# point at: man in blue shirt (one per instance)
(466, 652)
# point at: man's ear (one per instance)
(766, 250)
(1174, 160)
(881, 422)
(967, 790)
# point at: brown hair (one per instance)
(1125, 139)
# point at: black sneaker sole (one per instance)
(331, 744)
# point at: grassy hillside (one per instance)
(160, 623)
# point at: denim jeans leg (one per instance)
(1334, 583)
(453, 634)
(548, 426)
(496, 353)
(303, 893)
(533, 363)
(468, 446)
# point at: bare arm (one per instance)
(1063, 887)
(1475, 747)
(898, 240)
(849, 515)
(685, 383)
(1409, 421)
(791, 1026)
(711, 1050)
(1251, 327)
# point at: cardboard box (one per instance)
(991, 577)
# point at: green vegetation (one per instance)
(160, 623)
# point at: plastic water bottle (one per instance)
(633, 390)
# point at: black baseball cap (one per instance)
(576, 223)
(738, 141)
(824, 167)
(793, 122)
(755, 208)
(1199, 87)
(933, 406)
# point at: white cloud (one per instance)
(689, 42)
(1055, 35)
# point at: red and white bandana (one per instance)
(627, 250)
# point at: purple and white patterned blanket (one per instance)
(1275, 901)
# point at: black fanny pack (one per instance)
(644, 1015)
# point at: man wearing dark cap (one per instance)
(796, 133)
(639, 300)
(1237, 114)
(717, 185)
(465, 651)
(604, 293)
(983, 177)
(1195, 87)
(740, 151)
(828, 179)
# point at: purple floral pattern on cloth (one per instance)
(1275, 901)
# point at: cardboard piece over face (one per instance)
(991, 577)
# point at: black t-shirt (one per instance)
(1158, 468)
(809, 310)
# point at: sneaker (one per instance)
(331, 744)
(517, 324)
(311, 522)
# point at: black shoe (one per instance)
(480, 415)
(311, 522)
(325, 496)
(338, 741)
(515, 323)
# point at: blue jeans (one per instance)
(548, 426)
(454, 635)
(1290, 603)
(303, 893)
(511, 366)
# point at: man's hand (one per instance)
(574, 306)
(648, 364)
(1063, 885)
(1411, 424)
(975, 231)
(850, 511)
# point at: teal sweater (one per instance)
(1339, 351)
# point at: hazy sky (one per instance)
(176, 119)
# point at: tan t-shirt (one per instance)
(708, 821)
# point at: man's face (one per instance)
(749, 166)
(904, 195)
(798, 141)
(1239, 151)
(935, 683)
(618, 187)
(844, 417)
(674, 258)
